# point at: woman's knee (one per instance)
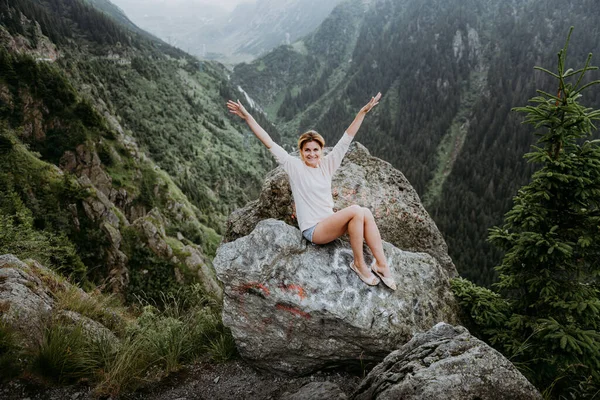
(356, 210)
(367, 213)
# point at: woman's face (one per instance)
(311, 153)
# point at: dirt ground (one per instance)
(232, 380)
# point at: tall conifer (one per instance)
(551, 268)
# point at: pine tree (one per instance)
(551, 238)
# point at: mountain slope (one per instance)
(450, 71)
(101, 129)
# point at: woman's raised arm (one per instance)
(238, 109)
(355, 125)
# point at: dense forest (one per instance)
(450, 72)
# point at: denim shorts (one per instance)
(308, 233)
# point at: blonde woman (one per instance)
(310, 179)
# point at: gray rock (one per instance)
(365, 180)
(294, 307)
(97, 206)
(317, 390)
(116, 260)
(89, 326)
(196, 261)
(25, 301)
(152, 229)
(448, 363)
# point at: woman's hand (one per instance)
(355, 125)
(372, 103)
(237, 109)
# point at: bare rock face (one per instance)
(99, 208)
(86, 162)
(445, 362)
(152, 230)
(96, 329)
(194, 260)
(365, 180)
(24, 299)
(27, 301)
(293, 307)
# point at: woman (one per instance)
(310, 180)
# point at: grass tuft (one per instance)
(186, 327)
(103, 308)
(64, 354)
(222, 348)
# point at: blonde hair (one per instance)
(310, 136)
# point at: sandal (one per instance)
(388, 281)
(373, 281)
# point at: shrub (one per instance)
(486, 310)
(6, 144)
(19, 237)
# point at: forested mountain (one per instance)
(108, 131)
(450, 72)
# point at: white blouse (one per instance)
(311, 187)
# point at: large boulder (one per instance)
(365, 180)
(445, 363)
(293, 307)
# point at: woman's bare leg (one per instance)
(352, 220)
(373, 239)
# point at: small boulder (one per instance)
(28, 301)
(25, 299)
(446, 362)
(293, 307)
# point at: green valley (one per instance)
(450, 71)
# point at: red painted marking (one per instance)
(297, 288)
(293, 310)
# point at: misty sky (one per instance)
(139, 5)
